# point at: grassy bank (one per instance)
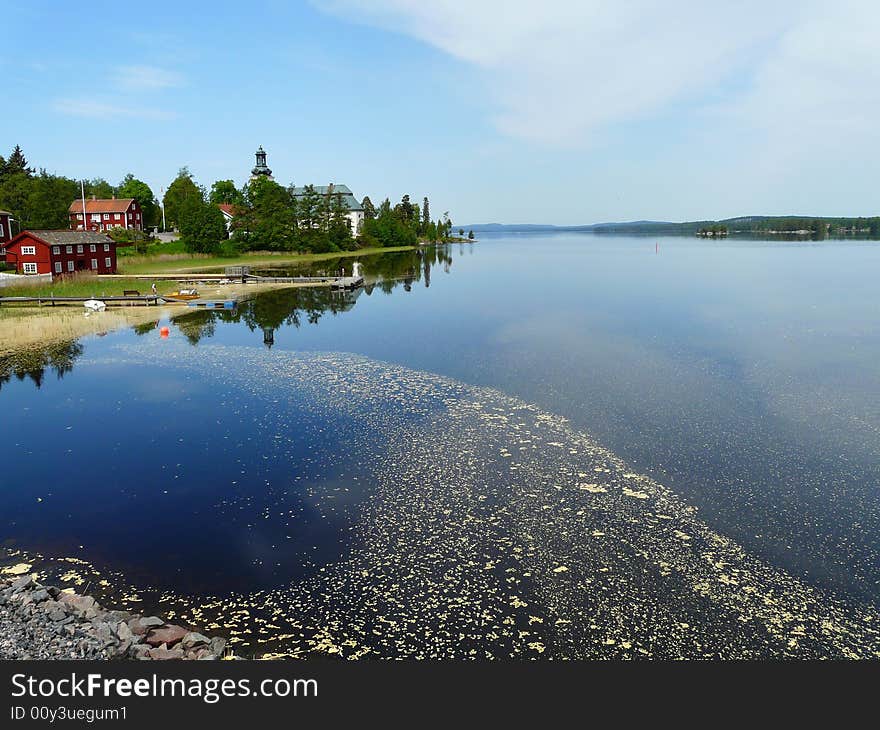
(189, 263)
(84, 285)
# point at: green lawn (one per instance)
(85, 285)
(212, 264)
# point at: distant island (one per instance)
(803, 226)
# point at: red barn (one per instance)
(104, 214)
(62, 252)
(5, 230)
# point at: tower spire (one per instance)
(261, 169)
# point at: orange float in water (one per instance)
(164, 332)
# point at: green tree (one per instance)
(426, 215)
(389, 228)
(181, 190)
(267, 220)
(17, 163)
(49, 201)
(131, 187)
(369, 208)
(201, 225)
(99, 188)
(224, 191)
(340, 233)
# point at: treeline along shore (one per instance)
(223, 219)
(816, 227)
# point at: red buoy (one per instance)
(164, 332)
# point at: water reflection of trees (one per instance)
(295, 307)
(35, 362)
(383, 270)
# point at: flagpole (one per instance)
(82, 189)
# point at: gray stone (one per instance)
(123, 632)
(23, 583)
(162, 653)
(218, 644)
(40, 595)
(57, 615)
(150, 622)
(194, 639)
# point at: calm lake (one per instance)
(569, 415)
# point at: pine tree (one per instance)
(426, 216)
(369, 208)
(17, 163)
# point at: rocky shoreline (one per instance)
(44, 622)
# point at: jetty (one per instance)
(144, 300)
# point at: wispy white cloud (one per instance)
(564, 71)
(146, 78)
(130, 82)
(102, 110)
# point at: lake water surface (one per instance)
(309, 444)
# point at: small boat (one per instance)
(94, 305)
(182, 295)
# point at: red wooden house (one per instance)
(104, 214)
(62, 252)
(5, 230)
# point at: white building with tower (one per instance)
(355, 209)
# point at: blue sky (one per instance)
(560, 111)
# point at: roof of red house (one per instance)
(111, 205)
(63, 237)
(228, 208)
(5, 212)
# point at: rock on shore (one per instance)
(43, 622)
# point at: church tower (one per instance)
(261, 169)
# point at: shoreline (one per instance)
(25, 327)
(203, 263)
(45, 622)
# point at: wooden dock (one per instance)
(333, 281)
(141, 300)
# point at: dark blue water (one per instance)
(741, 374)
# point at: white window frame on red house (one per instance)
(94, 263)
(106, 216)
(57, 267)
(108, 262)
(70, 266)
(1, 230)
(79, 248)
(106, 247)
(56, 250)
(68, 249)
(92, 248)
(29, 268)
(29, 251)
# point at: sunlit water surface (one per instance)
(271, 455)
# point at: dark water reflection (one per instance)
(742, 374)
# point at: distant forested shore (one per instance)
(801, 226)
